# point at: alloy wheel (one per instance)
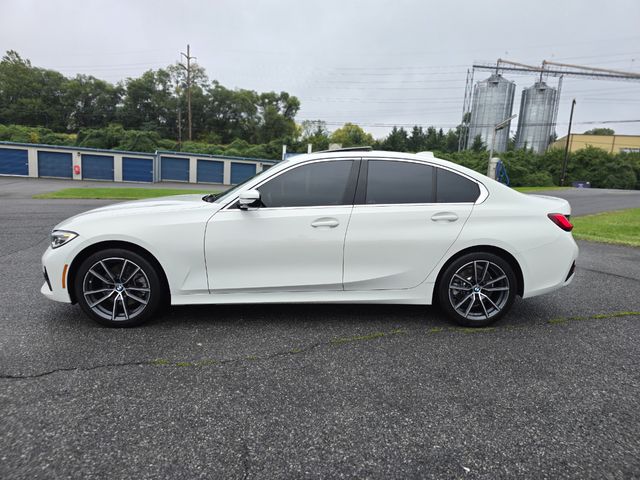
(479, 290)
(116, 289)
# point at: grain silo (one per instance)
(492, 103)
(537, 111)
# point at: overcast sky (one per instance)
(370, 62)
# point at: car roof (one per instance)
(427, 157)
(360, 154)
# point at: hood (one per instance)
(150, 206)
(159, 202)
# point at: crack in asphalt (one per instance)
(163, 363)
(609, 273)
(74, 369)
(337, 341)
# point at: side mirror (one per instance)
(249, 199)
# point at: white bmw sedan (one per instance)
(345, 226)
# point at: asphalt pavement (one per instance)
(585, 201)
(319, 391)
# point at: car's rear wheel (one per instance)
(118, 288)
(477, 289)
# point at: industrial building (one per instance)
(610, 143)
(537, 117)
(492, 103)
(488, 104)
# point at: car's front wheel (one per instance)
(477, 289)
(118, 288)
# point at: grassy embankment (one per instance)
(118, 193)
(621, 227)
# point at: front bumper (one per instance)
(53, 263)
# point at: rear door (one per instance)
(407, 215)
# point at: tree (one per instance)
(396, 141)
(451, 140)
(478, 145)
(351, 135)
(432, 140)
(417, 140)
(149, 103)
(92, 102)
(32, 96)
(276, 116)
(600, 131)
(231, 114)
(314, 132)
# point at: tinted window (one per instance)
(399, 182)
(322, 183)
(454, 188)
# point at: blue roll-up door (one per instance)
(174, 169)
(97, 167)
(55, 164)
(210, 171)
(14, 162)
(137, 169)
(242, 171)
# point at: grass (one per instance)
(621, 227)
(539, 189)
(117, 193)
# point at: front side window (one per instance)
(454, 188)
(391, 181)
(315, 184)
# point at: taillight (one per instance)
(560, 220)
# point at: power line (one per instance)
(435, 125)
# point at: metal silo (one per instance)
(537, 111)
(492, 103)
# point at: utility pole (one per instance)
(563, 177)
(499, 126)
(179, 126)
(188, 57)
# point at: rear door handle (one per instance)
(444, 217)
(326, 222)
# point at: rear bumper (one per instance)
(549, 267)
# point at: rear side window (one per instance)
(454, 188)
(391, 181)
(315, 184)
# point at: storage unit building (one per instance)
(210, 171)
(137, 169)
(242, 171)
(174, 169)
(97, 167)
(55, 164)
(14, 161)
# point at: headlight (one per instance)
(60, 237)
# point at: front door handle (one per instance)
(444, 217)
(326, 222)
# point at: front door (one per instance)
(293, 241)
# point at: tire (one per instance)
(481, 298)
(118, 288)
